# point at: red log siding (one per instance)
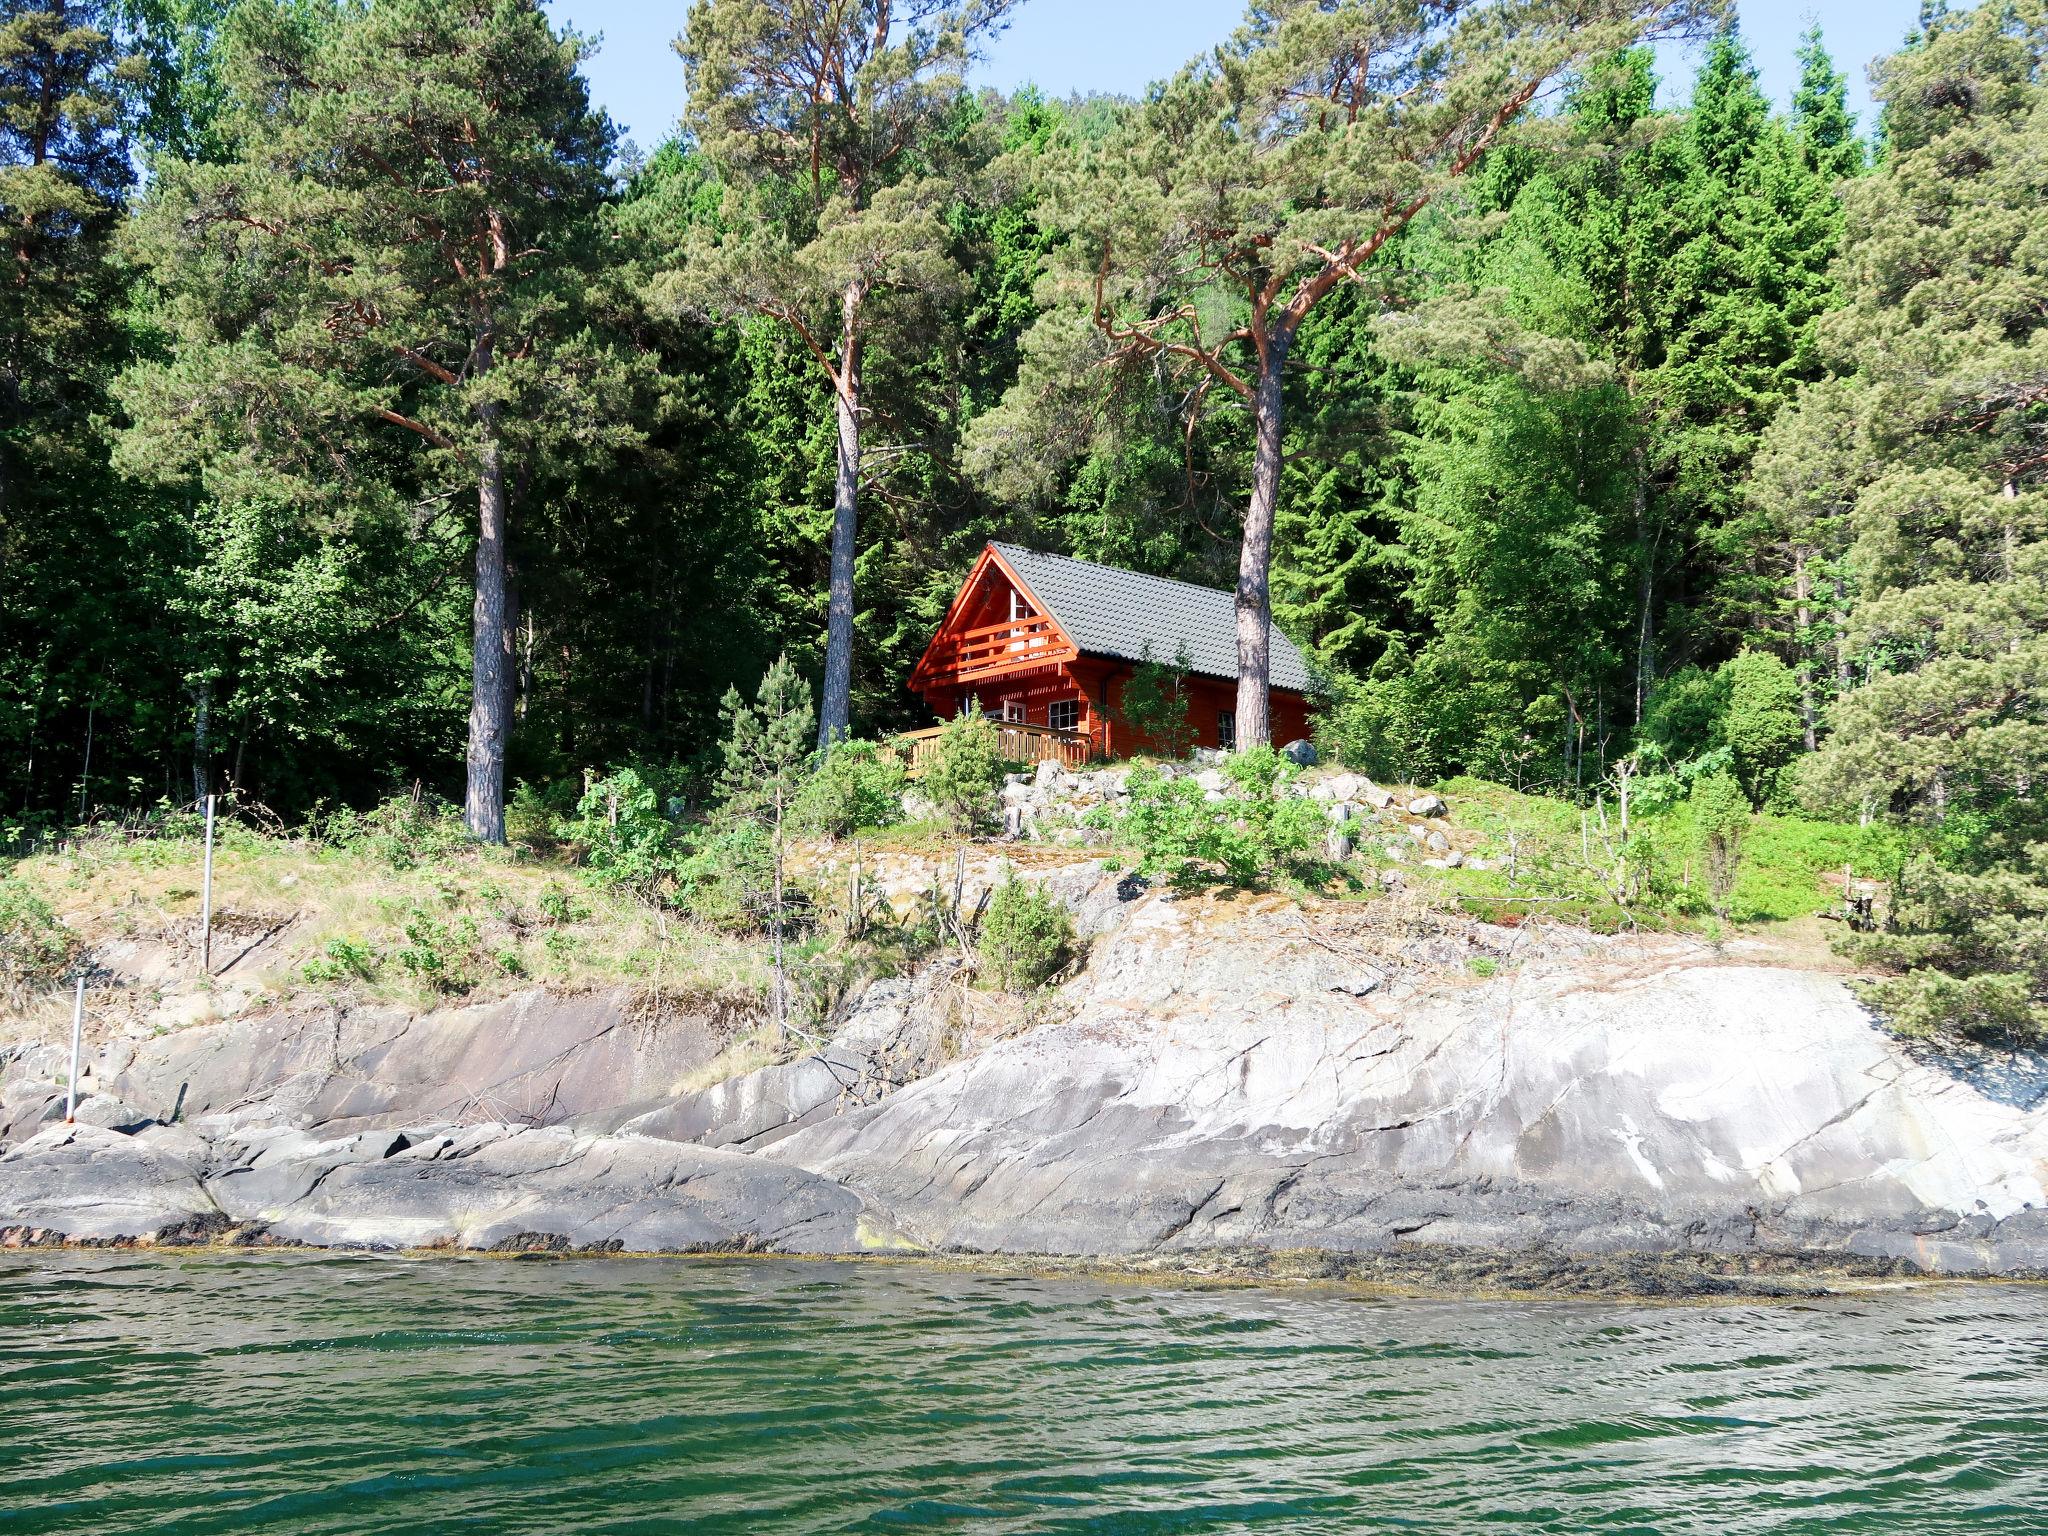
(1097, 682)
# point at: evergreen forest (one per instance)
(375, 421)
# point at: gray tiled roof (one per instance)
(1120, 613)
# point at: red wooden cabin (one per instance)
(1046, 643)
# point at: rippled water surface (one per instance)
(360, 1395)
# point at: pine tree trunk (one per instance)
(483, 810)
(835, 707)
(1255, 558)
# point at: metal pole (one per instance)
(77, 1026)
(206, 899)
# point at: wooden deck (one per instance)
(1019, 743)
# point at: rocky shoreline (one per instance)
(1375, 1094)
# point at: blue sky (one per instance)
(1123, 45)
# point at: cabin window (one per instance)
(1013, 711)
(1063, 714)
(1226, 729)
(1017, 609)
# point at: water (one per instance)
(360, 1395)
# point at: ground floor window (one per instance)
(1013, 711)
(1063, 714)
(1226, 729)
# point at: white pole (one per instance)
(206, 899)
(77, 1025)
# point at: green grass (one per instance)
(1563, 861)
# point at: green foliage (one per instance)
(442, 954)
(1761, 726)
(34, 946)
(405, 831)
(1251, 836)
(1155, 704)
(1721, 817)
(1025, 936)
(965, 771)
(767, 745)
(727, 879)
(342, 959)
(626, 839)
(858, 784)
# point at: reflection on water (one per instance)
(268, 1393)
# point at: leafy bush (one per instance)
(33, 944)
(1762, 726)
(405, 831)
(1025, 937)
(965, 771)
(1247, 838)
(859, 784)
(1721, 814)
(1154, 703)
(343, 960)
(1683, 718)
(441, 954)
(727, 878)
(627, 840)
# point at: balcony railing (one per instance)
(1017, 742)
(1001, 647)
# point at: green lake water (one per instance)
(359, 1395)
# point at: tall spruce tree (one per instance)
(824, 121)
(1215, 219)
(391, 255)
(1947, 726)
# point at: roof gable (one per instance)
(1109, 612)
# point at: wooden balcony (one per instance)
(1019, 743)
(993, 649)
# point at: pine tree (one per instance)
(1217, 217)
(1948, 724)
(392, 254)
(824, 121)
(767, 756)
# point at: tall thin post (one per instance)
(206, 899)
(77, 1029)
(85, 773)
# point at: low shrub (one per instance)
(965, 772)
(859, 784)
(343, 960)
(1025, 936)
(625, 838)
(1251, 836)
(34, 946)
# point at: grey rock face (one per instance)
(493, 1187)
(85, 1184)
(1223, 1073)
(1301, 752)
(1220, 1083)
(533, 1057)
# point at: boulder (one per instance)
(1427, 805)
(1379, 799)
(87, 1184)
(1213, 780)
(112, 1114)
(1301, 752)
(506, 1188)
(1342, 786)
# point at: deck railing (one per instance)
(1018, 742)
(1004, 647)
